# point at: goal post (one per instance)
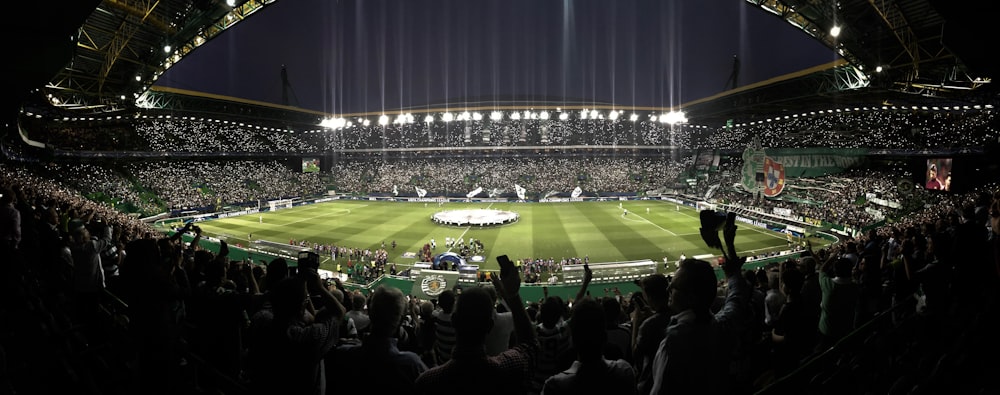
(279, 204)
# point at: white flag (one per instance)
(520, 191)
(395, 190)
(420, 192)
(474, 192)
(576, 192)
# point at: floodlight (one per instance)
(167, 48)
(477, 116)
(563, 116)
(464, 116)
(594, 114)
(835, 31)
(652, 118)
(496, 115)
(634, 117)
(515, 116)
(613, 115)
(429, 118)
(544, 115)
(447, 117)
(878, 69)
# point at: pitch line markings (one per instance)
(651, 223)
(339, 212)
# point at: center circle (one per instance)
(475, 217)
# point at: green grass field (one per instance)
(557, 230)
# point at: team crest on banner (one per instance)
(774, 177)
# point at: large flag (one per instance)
(576, 192)
(421, 192)
(474, 192)
(774, 177)
(520, 191)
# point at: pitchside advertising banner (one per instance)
(431, 283)
(767, 171)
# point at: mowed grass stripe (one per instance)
(545, 230)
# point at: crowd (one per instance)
(870, 128)
(876, 128)
(154, 187)
(100, 303)
(538, 175)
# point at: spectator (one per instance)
(618, 328)
(651, 315)
(794, 331)
(508, 373)
(10, 222)
(840, 299)
(88, 275)
(695, 352)
(358, 314)
(501, 335)
(290, 349)
(444, 330)
(591, 372)
(378, 358)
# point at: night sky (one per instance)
(356, 56)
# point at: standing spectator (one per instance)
(378, 358)
(444, 331)
(507, 373)
(554, 339)
(695, 353)
(289, 348)
(501, 336)
(650, 317)
(774, 299)
(88, 275)
(794, 331)
(591, 372)
(618, 329)
(840, 299)
(358, 314)
(10, 222)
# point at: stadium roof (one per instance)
(101, 55)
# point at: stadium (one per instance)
(145, 226)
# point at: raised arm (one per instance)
(587, 276)
(508, 286)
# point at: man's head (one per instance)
(551, 310)
(386, 309)
(654, 289)
(932, 170)
(693, 287)
(586, 328)
(473, 316)
(288, 298)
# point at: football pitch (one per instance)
(652, 230)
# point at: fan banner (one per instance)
(774, 177)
